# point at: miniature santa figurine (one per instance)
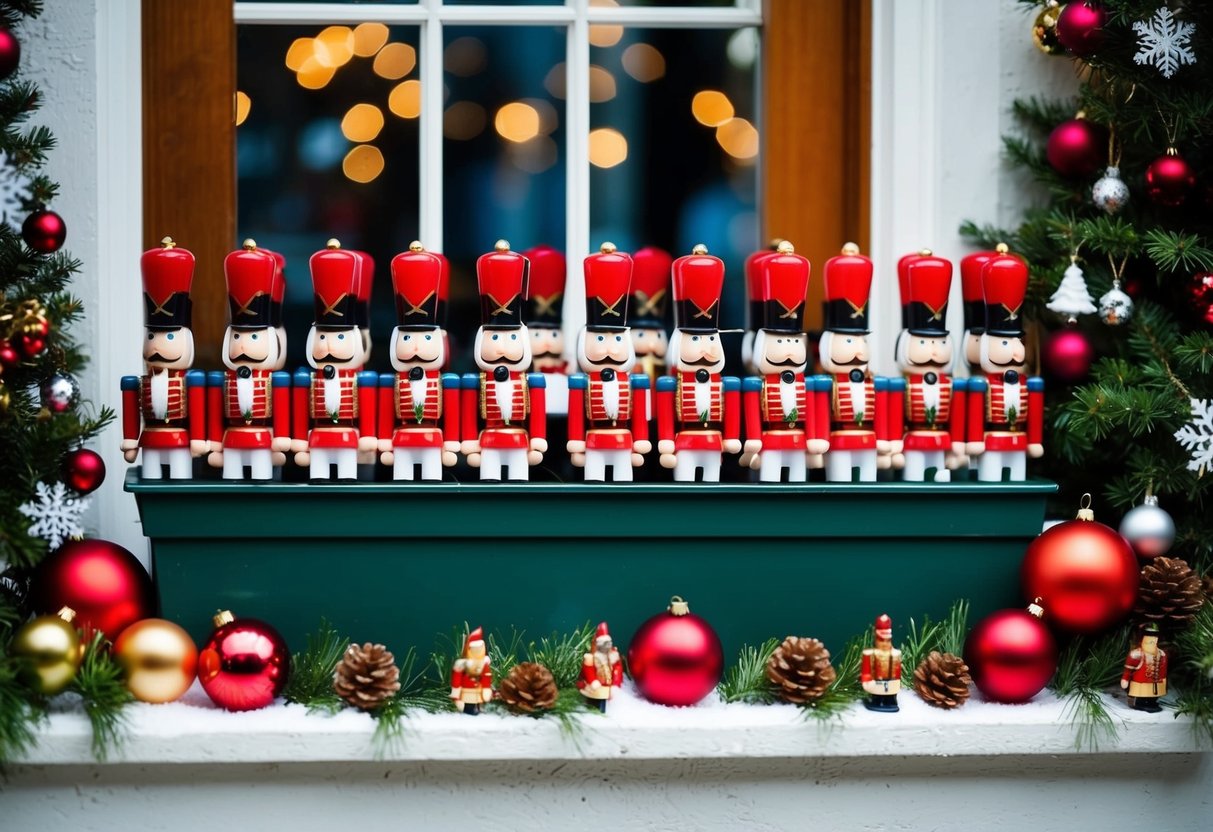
(933, 400)
(1005, 421)
(164, 411)
(698, 410)
(418, 404)
(544, 319)
(862, 430)
(509, 402)
(608, 408)
(754, 303)
(334, 406)
(646, 310)
(780, 415)
(472, 676)
(601, 669)
(1145, 676)
(249, 406)
(880, 669)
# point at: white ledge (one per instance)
(196, 732)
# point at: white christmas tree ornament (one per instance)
(1072, 298)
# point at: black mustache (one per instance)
(555, 355)
(331, 360)
(789, 363)
(158, 357)
(703, 362)
(505, 359)
(1011, 363)
(854, 362)
(608, 360)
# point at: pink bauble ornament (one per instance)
(83, 470)
(1169, 179)
(44, 231)
(1067, 355)
(1077, 148)
(1080, 27)
(10, 52)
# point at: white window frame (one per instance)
(577, 16)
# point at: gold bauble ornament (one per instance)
(1044, 30)
(160, 660)
(52, 648)
(5, 399)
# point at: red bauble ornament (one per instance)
(30, 344)
(105, 584)
(10, 53)
(9, 357)
(1169, 179)
(1067, 355)
(245, 665)
(83, 470)
(1077, 148)
(1201, 293)
(1011, 655)
(44, 231)
(1085, 572)
(675, 657)
(1080, 27)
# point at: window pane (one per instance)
(503, 2)
(715, 3)
(503, 154)
(328, 148)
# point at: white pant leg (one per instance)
(318, 464)
(989, 467)
(431, 463)
(684, 466)
(838, 466)
(621, 465)
(867, 465)
(490, 464)
(233, 464)
(517, 466)
(180, 464)
(710, 461)
(937, 460)
(261, 461)
(1017, 461)
(347, 463)
(402, 464)
(797, 463)
(770, 466)
(915, 469)
(151, 464)
(595, 466)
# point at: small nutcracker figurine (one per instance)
(1145, 676)
(862, 428)
(164, 411)
(249, 406)
(780, 412)
(509, 402)
(1005, 422)
(544, 320)
(333, 407)
(974, 304)
(418, 404)
(754, 303)
(608, 408)
(278, 298)
(933, 400)
(646, 310)
(698, 409)
(880, 669)
(601, 669)
(472, 676)
(362, 311)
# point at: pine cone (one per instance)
(800, 669)
(942, 680)
(1171, 594)
(366, 676)
(1207, 583)
(529, 687)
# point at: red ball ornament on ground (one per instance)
(245, 665)
(1077, 148)
(10, 53)
(1080, 27)
(83, 470)
(1085, 571)
(105, 584)
(675, 657)
(1067, 356)
(1011, 655)
(44, 231)
(1169, 179)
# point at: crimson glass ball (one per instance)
(105, 584)
(1011, 656)
(10, 52)
(244, 665)
(1077, 148)
(9, 357)
(1067, 356)
(1169, 180)
(83, 470)
(1080, 27)
(675, 659)
(44, 231)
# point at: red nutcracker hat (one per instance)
(476, 636)
(782, 290)
(924, 295)
(883, 626)
(602, 634)
(366, 278)
(1004, 282)
(252, 279)
(444, 289)
(336, 279)
(545, 298)
(502, 275)
(417, 283)
(753, 284)
(698, 280)
(650, 288)
(847, 284)
(608, 277)
(279, 292)
(903, 281)
(168, 272)
(970, 287)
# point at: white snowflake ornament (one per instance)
(1196, 437)
(1164, 42)
(55, 513)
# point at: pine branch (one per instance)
(311, 679)
(845, 690)
(562, 653)
(746, 680)
(1175, 250)
(103, 691)
(1086, 668)
(21, 711)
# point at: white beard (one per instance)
(610, 398)
(244, 393)
(703, 397)
(859, 398)
(930, 395)
(1010, 397)
(787, 396)
(332, 394)
(417, 388)
(504, 393)
(158, 386)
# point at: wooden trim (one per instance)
(189, 146)
(817, 83)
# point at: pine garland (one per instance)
(311, 679)
(1087, 668)
(103, 691)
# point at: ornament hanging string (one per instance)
(1117, 271)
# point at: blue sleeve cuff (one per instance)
(196, 378)
(752, 384)
(667, 384)
(640, 381)
(450, 381)
(977, 385)
(730, 384)
(578, 381)
(368, 379)
(386, 379)
(1036, 384)
(536, 381)
(303, 378)
(897, 385)
(130, 383)
(881, 384)
(280, 379)
(214, 378)
(470, 381)
(960, 385)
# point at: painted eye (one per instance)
(341, 337)
(694, 337)
(514, 337)
(619, 339)
(601, 338)
(923, 343)
(322, 337)
(850, 340)
(429, 337)
(712, 338)
(235, 336)
(1005, 343)
(170, 337)
(494, 337)
(254, 336)
(408, 337)
(151, 335)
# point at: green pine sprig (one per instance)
(311, 680)
(102, 688)
(845, 690)
(1087, 668)
(21, 711)
(746, 679)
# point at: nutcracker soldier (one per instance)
(974, 304)
(279, 297)
(164, 411)
(544, 318)
(933, 400)
(249, 405)
(472, 676)
(753, 303)
(508, 401)
(861, 426)
(1005, 421)
(880, 669)
(418, 404)
(601, 669)
(698, 410)
(646, 310)
(608, 408)
(333, 407)
(1145, 676)
(780, 418)
(444, 302)
(362, 312)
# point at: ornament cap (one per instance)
(1035, 609)
(223, 617)
(1149, 500)
(501, 245)
(333, 242)
(1002, 248)
(679, 607)
(67, 614)
(1084, 509)
(699, 248)
(785, 247)
(607, 248)
(850, 249)
(1171, 151)
(925, 252)
(416, 246)
(250, 244)
(167, 242)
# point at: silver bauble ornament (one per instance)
(1115, 307)
(1110, 193)
(1148, 528)
(60, 393)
